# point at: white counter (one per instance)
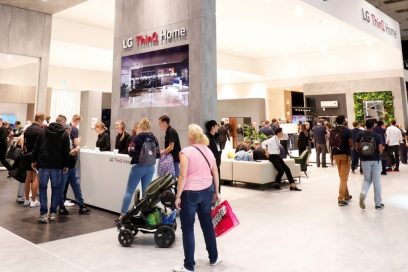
(104, 178)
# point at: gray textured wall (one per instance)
(27, 33)
(252, 107)
(145, 16)
(393, 84)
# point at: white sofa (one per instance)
(255, 172)
(226, 169)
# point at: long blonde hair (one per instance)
(196, 135)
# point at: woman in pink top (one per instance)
(197, 184)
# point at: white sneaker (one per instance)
(43, 219)
(34, 204)
(181, 268)
(68, 203)
(20, 199)
(217, 262)
(26, 203)
(52, 216)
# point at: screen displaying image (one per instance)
(155, 79)
(374, 110)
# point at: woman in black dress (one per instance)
(103, 141)
(122, 139)
(303, 139)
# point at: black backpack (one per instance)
(367, 146)
(148, 153)
(336, 138)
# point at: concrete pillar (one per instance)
(136, 17)
(91, 107)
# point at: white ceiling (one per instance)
(266, 28)
(80, 56)
(100, 13)
(12, 61)
(254, 29)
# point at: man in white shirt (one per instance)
(393, 140)
(272, 146)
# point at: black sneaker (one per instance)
(84, 210)
(63, 212)
(349, 198)
(342, 203)
(380, 207)
(396, 170)
(384, 173)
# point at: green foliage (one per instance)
(387, 99)
(251, 133)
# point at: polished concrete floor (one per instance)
(279, 231)
(23, 220)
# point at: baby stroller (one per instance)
(146, 217)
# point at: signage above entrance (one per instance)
(378, 22)
(155, 38)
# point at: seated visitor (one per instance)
(273, 146)
(242, 154)
(259, 153)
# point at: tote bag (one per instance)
(223, 218)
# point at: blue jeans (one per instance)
(72, 176)
(177, 169)
(372, 174)
(138, 172)
(55, 176)
(199, 202)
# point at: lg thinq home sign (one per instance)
(155, 79)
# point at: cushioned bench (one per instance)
(255, 172)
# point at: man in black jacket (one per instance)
(3, 145)
(50, 156)
(223, 135)
(212, 129)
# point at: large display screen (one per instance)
(155, 79)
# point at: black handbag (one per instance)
(13, 152)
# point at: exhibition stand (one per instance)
(104, 178)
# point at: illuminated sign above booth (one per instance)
(378, 22)
(363, 16)
(155, 38)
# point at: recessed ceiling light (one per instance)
(299, 11)
(323, 48)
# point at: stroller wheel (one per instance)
(165, 236)
(126, 238)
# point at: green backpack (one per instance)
(154, 218)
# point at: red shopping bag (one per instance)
(224, 219)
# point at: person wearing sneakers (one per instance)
(50, 156)
(72, 178)
(394, 139)
(30, 137)
(370, 147)
(74, 137)
(198, 183)
(341, 143)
